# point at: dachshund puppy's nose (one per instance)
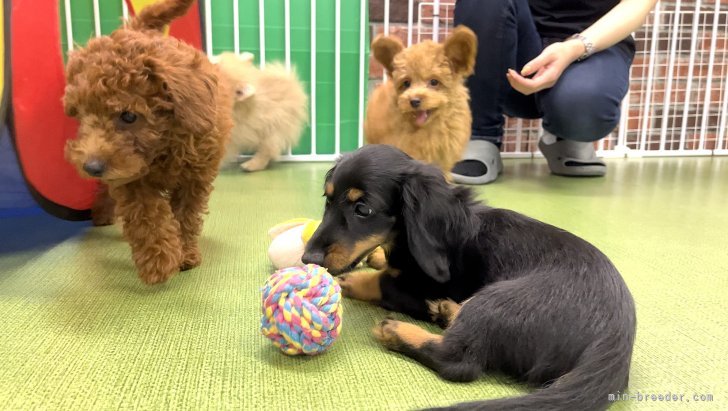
(415, 102)
(94, 167)
(313, 257)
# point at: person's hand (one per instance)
(546, 68)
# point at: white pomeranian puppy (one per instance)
(270, 109)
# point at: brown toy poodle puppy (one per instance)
(153, 124)
(424, 109)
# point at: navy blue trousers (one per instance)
(583, 105)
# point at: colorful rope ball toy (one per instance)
(301, 310)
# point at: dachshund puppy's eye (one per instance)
(406, 84)
(327, 200)
(362, 210)
(434, 82)
(128, 117)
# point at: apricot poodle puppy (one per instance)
(153, 124)
(424, 109)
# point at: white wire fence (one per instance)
(677, 103)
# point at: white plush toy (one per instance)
(288, 241)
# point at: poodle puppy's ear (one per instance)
(191, 90)
(76, 62)
(460, 49)
(385, 48)
(427, 203)
(244, 91)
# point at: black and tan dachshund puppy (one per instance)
(515, 295)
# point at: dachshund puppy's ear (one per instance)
(426, 203)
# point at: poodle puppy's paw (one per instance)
(191, 259)
(255, 164)
(102, 210)
(100, 220)
(159, 269)
(151, 278)
(443, 312)
(386, 333)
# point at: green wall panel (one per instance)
(301, 58)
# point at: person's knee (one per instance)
(583, 113)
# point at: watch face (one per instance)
(588, 45)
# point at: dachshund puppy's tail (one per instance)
(158, 15)
(594, 383)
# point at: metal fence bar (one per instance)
(709, 79)
(436, 21)
(69, 24)
(97, 18)
(723, 113)
(337, 78)
(386, 17)
(723, 118)
(287, 24)
(208, 27)
(312, 103)
(386, 33)
(419, 21)
(287, 41)
(648, 88)
(236, 25)
(261, 31)
(410, 17)
(124, 10)
(362, 68)
(643, 69)
(689, 85)
(674, 41)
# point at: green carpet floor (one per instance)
(78, 330)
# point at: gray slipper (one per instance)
(486, 153)
(572, 158)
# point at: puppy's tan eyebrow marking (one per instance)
(329, 190)
(354, 194)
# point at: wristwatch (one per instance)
(588, 46)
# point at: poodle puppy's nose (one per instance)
(415, 102)
(313, 257)
(94, 167)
